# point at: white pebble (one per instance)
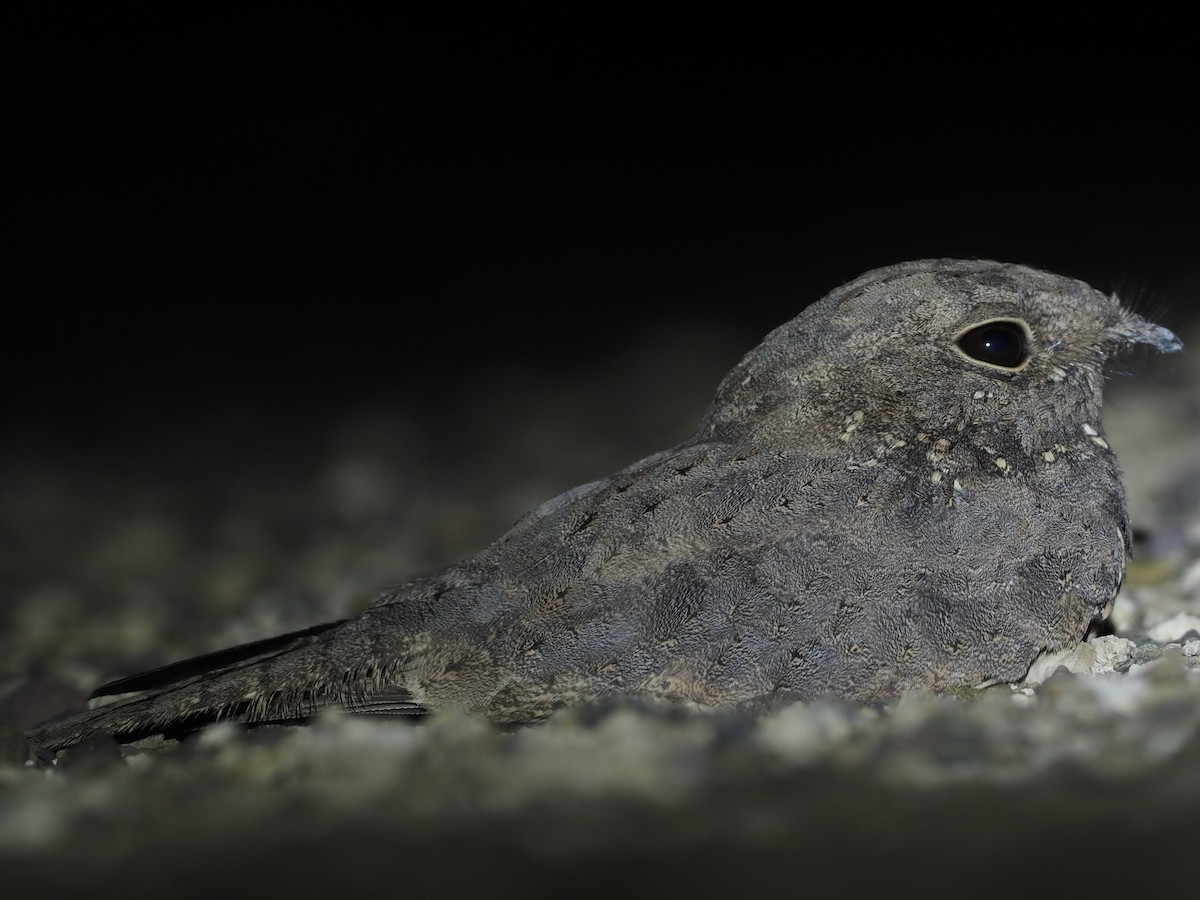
(1174, 628)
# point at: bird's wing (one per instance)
(209, 663)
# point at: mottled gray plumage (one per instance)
(878, 498)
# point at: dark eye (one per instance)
(1000, 343)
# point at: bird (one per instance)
(907, 486)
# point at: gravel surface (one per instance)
(124, 554)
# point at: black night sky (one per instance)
(296, 213)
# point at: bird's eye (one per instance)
(1003, 343)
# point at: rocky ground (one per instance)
(124, 554)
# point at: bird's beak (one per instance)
(1133, 329)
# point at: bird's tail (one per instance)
(279, 679)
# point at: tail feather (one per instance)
(279, 679)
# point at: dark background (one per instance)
(292, 215)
